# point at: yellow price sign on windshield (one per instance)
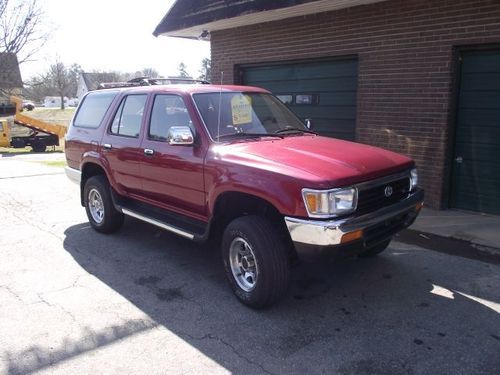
(241, 109)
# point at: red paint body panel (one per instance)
(189, 179)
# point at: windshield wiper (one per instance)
(247, 135)
(294, 130)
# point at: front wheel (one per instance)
(101, 212)
(256, 261)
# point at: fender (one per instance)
(95, 157)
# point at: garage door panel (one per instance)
(485, 152)
(477, 202)
(344, 98)
(480, 100)
(332, 86)
(478, 134)
(301, 71)
(328, 127)
(476, 158)
(316, 113)
(481, 81)
(340, 84)
(481, 62)
(478, 117)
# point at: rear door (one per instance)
(172, 175)
(121, 143)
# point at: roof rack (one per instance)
(148, 81)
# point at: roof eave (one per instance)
(320, 6)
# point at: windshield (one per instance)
(245, 114)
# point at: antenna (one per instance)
(220, 104)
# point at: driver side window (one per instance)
(168, 110)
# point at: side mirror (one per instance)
(308, 123)
(180, 135)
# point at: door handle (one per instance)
(107, 146)
(148, 152)
(459, 159)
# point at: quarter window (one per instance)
(128, 118)
(93, 108)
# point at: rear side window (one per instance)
(128, 118)
(94, 107)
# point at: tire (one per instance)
(375, 250)
(101, 212)
(253, 243)
(39, 146)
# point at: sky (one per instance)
(113, 35)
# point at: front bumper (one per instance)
(313, 238)
(73, 174)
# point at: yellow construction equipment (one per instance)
(42, 133)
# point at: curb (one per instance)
(450, 245)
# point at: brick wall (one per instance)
(407, 61)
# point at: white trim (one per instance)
(313, 7)
(158, 224)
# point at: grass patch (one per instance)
(55, 163)
(54, 115)
(27, 150)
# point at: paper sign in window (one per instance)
(241, 109)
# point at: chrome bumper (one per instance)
(73, 174)
(330, 232)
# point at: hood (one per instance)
(325, 161)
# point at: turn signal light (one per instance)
(419, 206)
(351, 236)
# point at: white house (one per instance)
(90, 81)
(55, 102)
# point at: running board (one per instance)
(158, 223)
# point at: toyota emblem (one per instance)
(388, 191)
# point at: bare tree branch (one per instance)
(22, 28)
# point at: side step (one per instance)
(158, 223)
(181, 225)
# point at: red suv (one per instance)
(234, 163)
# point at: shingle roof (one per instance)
(10, 75)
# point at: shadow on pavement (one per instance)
(366, 316)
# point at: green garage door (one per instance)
(476, 159)
(324, 92)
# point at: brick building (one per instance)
(420, 77)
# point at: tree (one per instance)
(60, 80)
(206, 70)
(21, 28)
(182, 70)
(150, 72)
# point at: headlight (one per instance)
(325, 203)
(413, 179)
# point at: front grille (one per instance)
(373, 198)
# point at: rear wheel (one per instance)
(375, 250)
(39, 146)
(101, 212)
(256, 261)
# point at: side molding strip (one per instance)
(158, 224)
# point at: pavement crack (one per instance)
(210, 336)
(67, 312)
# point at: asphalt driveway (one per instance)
(145, 301)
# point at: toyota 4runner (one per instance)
(234, 164)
